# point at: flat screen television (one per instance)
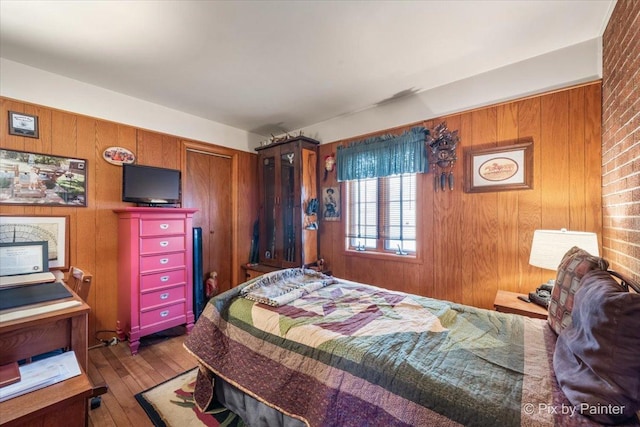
(150, 186)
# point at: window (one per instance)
(381, 214)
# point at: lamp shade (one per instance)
(549, 246)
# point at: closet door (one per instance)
(208, 189)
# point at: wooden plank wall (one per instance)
(93, 229)
(472, 244)
(475, 244)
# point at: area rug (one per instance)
(170, 404)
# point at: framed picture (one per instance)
(331, 203)
(22, 124)
(42, 179)
(499, 168)
(23, 258)
(37, 228)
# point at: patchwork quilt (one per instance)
(351, 354)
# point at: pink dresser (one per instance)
(155, 278)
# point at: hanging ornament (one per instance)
(329, 164)
(443, 155)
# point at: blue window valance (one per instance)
(383, 156)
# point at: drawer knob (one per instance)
(164, 278)
(164, 243)
(164, 226)
(164, 296)
(164, 313)
(164, 260)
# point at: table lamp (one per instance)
(549, 246)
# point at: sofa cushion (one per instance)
(596, 357)
(574, 265)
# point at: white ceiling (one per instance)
(274, 66)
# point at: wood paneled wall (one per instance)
(474, 244)
(471, 244)
(93, 229)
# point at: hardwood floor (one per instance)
(159, 358)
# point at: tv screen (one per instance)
(150, 186)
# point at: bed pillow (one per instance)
(574, 265)
(596, 357)
(283, 286)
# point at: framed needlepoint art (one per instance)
(499, 168)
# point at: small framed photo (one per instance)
(22, 124)
(331, 203)
(499, 168)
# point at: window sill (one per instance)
(412, 259)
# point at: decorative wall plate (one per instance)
(118, 156)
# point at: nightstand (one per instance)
(256, 270)
(508, 302)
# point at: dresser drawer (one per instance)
(154, 245)
(163, 279)
(162, 297)
(162, 262)
(161, 227)
(162, 315)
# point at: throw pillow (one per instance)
(574, 265)
(596, 357)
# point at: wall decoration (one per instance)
(36, 228)
(42, 179)
(118, 156)
(22, 124)
(499, 168)
(331, 203)
(23, 258)
(329, 164)
(277, 139)
(443, 145)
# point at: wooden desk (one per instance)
(64, 403)
(508, 302)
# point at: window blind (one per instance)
(398, 216)
(362, 208)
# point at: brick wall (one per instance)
(621, 139)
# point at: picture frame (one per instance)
(53, 229)
(17, 258)
(28, 178)
(331, 203)
(22, 124)
(501, 168)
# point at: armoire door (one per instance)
(208, 188)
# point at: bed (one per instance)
(342, 353)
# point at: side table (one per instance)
(508, 302)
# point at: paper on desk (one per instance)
(42, 373)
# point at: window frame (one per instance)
(380, 252)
